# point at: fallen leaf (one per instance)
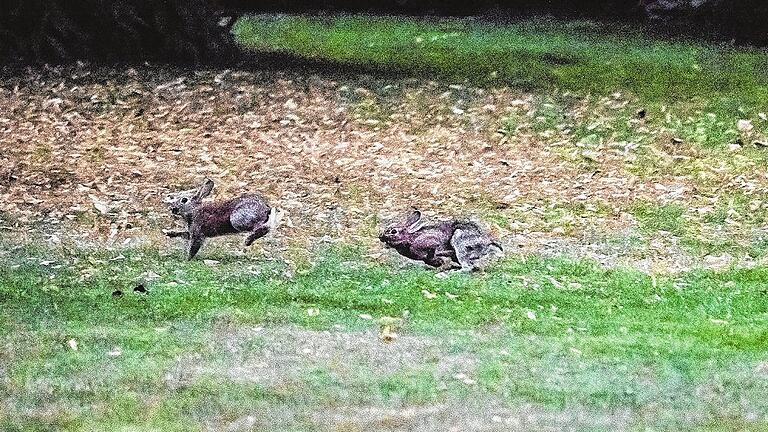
(744, 125)
(464, 378)
(101, 206)
(554, 282)
(387, 334)
(428, 295)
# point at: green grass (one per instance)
(539, 54)
(731, 225)
(555, 333)
(652, 218)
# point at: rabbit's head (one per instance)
(184, 203)
(402, 232)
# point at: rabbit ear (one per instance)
(205, 189)
(414, 222)
(414, 217)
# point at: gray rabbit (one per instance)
(246, 214)
(446, 245)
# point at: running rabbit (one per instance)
(446, 245)
(248, 213)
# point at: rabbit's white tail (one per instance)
(275, 216)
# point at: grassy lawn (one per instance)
(216, 345)
(578, 56)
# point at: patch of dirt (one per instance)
(289, 353)
(659, 257)
(277, 358)
(485, 416)
(470, 416)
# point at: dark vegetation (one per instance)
(579, 55)
(443, 7)
(112, 30)
(189, 32)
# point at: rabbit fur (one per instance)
(445, 245)
(246, 214)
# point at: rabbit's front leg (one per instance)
(446, 268)
(447, 257)
(193, 246)
(448, 265)
(441, 260)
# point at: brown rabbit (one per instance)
(246, 214)
(446, 245)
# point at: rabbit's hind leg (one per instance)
(256, 234)
(247, 218)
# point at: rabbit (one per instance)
(248, 213)
(446, 245)
(417, 240)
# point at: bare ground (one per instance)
(283, 360)
(88, 155)
(351, 359)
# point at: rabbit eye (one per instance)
(392, 231)
(184, 200)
